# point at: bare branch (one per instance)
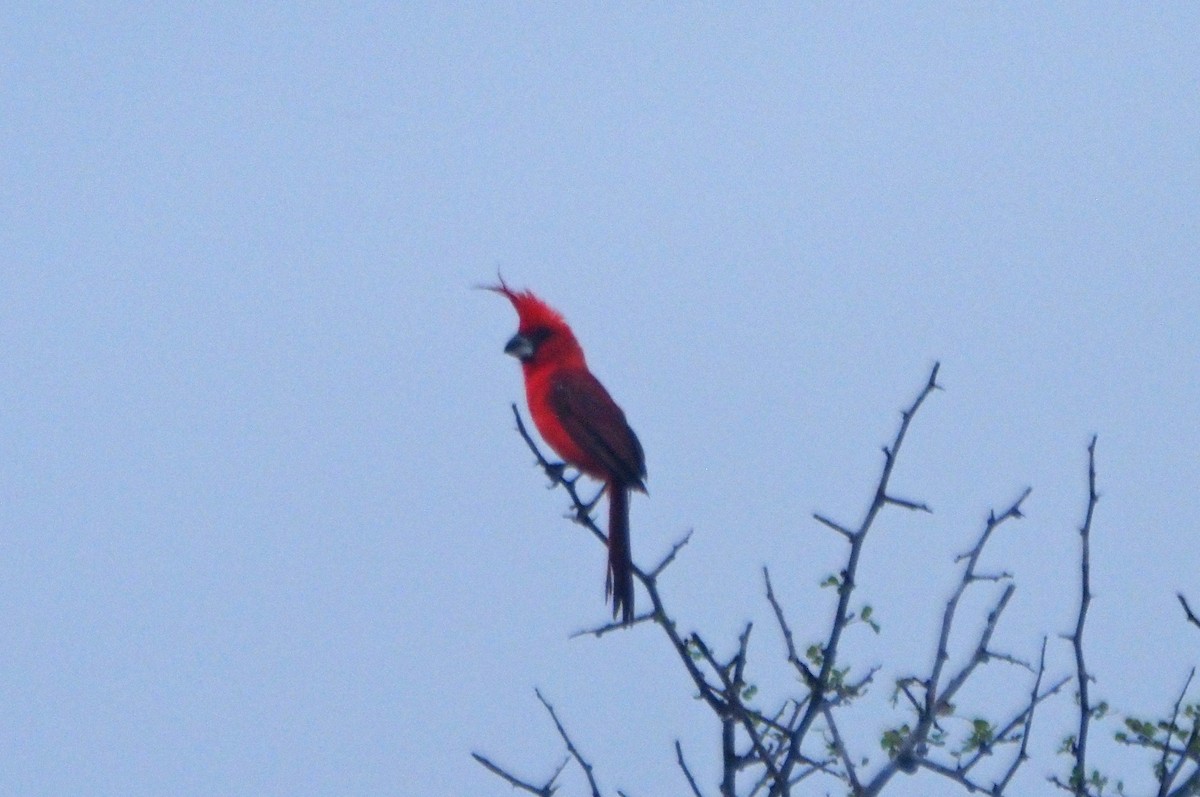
(1169, 773)
(613, 625)
(1026, 716)
(1078, 780)
(580, 510)
(579, 759)
(766, 748)
(981, 653)
(686, 772)
(809, 677)
(1190, 787)
(937, 698)
(730, 761)
(542, 791)
(647, 580)
(731, 694)
(1008, 733)
(816, 704)
(839, 747)
(581, 516)
(670, 557)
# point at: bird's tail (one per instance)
(619, 583)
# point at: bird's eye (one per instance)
(538, 336)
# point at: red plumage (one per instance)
(579, 419)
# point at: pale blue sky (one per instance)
(266, 526)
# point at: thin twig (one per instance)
(1078, 779)
(647, 579)
(1169, 773)
(670, 557)
(1190, 787)
(581, 510)
(579, 759)
(810, 678)
(686, 772)
(1023, 753)
(517, 783)
(731, 693)
(839, 747)
(610, 626)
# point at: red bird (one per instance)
(580, 421)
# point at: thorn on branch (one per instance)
(907, 504)
(839, 528)
(1187, 610)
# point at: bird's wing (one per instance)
(597, 425)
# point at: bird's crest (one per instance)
(531, 310)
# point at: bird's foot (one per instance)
(557, 473)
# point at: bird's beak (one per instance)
(520, 347)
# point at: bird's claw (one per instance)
(556, 471)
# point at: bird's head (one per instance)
(542, 334)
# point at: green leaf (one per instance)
(982, 735)
(892, 740)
